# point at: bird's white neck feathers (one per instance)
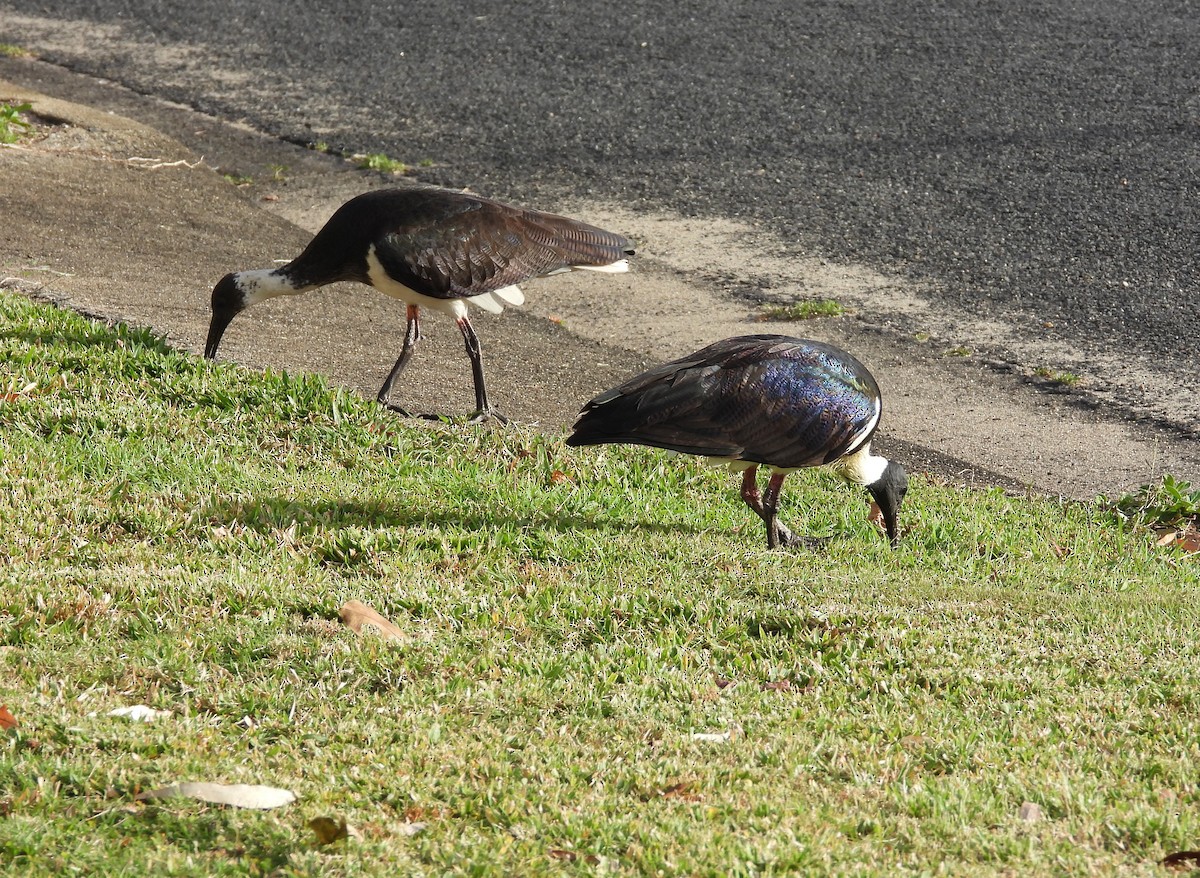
(862, 467)
(266, 283)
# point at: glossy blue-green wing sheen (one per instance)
(766, 399)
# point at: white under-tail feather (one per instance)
(612, 268)
(493, 301)
(512, 295)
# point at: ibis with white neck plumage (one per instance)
(758, 400)
(431, 248)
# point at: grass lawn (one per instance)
(603, 669)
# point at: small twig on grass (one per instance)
(150, 164)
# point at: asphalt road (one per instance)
(1032, 167)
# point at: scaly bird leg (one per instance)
(483, 408)
(776, 533)
(750, 495)
(750, 490)
(412, 334)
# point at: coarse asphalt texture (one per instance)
(124, 219)
(1026, 173)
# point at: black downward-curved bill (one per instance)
(227, 301)
(216, 329)
(888, 493)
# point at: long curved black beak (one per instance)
(216, 329)
(227, 301)
(888, 493)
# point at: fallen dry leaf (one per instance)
(328, 830)
(684, 791)
(1181, 859)
(875, 516)
(1030, 812)
(7, 720)
(238, 795)
(1186, 540)
(559, 854)
(778, 686)
(358, 616)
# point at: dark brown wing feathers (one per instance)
(466, 245)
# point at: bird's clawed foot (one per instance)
(392, 407)
(405, 413)
(789, 540)
(779, 537)
(488, 414)
(480, 417)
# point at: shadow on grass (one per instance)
(225, 836)
(269, 514)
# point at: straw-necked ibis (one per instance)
(758, 400)
(431, 248)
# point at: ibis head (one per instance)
(228, 300)
(888, 493)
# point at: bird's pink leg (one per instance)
(412, 334)
(777, 534)
(750, 490)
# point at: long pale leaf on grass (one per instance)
(139, 713)
(362, 619)
(238, 795)
(734, 732)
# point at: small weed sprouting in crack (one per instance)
(808, 309)
(1171, 503)
(12, 126)
(380, 162)
(1067, 379)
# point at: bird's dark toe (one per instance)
(789, 540)
(392, 407)
(486, 415)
